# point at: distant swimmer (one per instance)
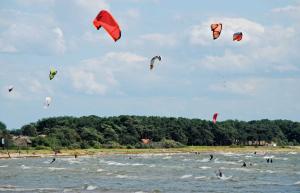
(75, 155)
(255, 152)
(220, 174)
(244, 164)
(271, 160)
(130, 157)
(211, 157)
(268, 160)
(52, 161)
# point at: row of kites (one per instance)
(106, 20)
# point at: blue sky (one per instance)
(256, 78)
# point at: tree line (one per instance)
(96, 132)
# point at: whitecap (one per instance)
(122, 176)
(4, 166)
(204, 167)
(167, 157)
(186, 176)
(25, 167)
(100, 170)
(90, 187)
(204, 160)
(224, 177)
(296, 183)
(292, 153)
(54, 168)
(200, 177)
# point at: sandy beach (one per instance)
(190, 149)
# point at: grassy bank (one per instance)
(189, 149)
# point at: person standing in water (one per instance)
(211, 157)
(219, 174)
(244, 164)
(53, 160)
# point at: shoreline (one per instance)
(189, 149)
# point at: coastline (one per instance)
(189, 149)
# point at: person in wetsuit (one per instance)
(211, 157)
(53, 160)
(244, 164)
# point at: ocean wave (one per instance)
(54, 168)
(200, 177)
(186, 176)
(100, 170)
(297, 183)
(225, 162)
(204, 160)
(204, 167)
(121, 164)
(90, 187)
(4, 166)
(25, 167)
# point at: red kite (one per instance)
(105, 19)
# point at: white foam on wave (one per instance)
(186, 176)
(122, 176)
(297, 183)
(25, 167)
(121, 164)
(204, 167)
(225, 162)
(269, 156)
(200, 177)
(167, 157)
(185, 160)
(90, 187)
(54, 168)
(292, 153)
(204, 160)
(224, 177)
(4, 166)
(100, 170)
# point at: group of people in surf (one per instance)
(219, 172)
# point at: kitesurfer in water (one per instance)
(244, 164)
(53, 160)
(220, 174)
(211, 157)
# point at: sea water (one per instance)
(153, 173)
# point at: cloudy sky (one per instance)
(256, 78)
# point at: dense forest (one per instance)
(127, 131)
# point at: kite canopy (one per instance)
(47, 102)
(216, 29)
(215, 118)
(52, 73)
(237, 36)
(10, 88)
(153, 61)
(105, 19)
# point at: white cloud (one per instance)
(24, 32)
(86, 81)
(228, 62)
(159, 39)
(288, 9)
(59, 41)
(244, 86)
(99, 75)
(93, 5)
